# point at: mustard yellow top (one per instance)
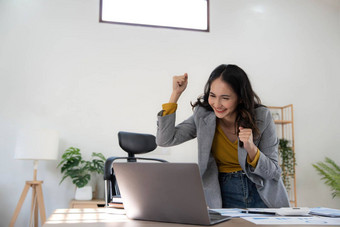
(169, 108)
(224, 151)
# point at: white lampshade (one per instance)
(38, 144)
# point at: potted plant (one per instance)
(79, 170)
(287, 162)
(330, 172)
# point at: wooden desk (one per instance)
(100, 217)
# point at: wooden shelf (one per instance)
(284, 120)
(95, 203)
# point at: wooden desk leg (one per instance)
(41, 204)
(19, 205)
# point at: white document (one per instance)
(236, 213)
(324, 211)
(280, 220)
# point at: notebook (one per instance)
(165, 192)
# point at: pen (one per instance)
(257, 212)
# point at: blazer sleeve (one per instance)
(169, 135)
(268, 166)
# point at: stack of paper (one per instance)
(327, 212)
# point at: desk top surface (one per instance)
(105, 217)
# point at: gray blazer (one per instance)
(202, 124)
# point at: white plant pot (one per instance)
(84, 193)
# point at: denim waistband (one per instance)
(241, 172)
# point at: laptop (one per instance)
(164, 192)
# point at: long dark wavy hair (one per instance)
(248, 100)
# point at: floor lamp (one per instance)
(35, 145)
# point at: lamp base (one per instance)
(37, 202)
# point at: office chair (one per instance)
(132, 143)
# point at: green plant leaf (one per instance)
(288, 162)
(333, 164)
(99, 155)
(81, 181)
(69, 164)
(330, 173)
(97, 166)
(73, 166)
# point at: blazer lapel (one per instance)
(206, 134)
(242, 156)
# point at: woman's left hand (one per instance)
(246, 136)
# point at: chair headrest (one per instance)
(136, 143)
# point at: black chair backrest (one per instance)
(132, 143)
(136, 143)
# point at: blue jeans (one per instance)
(238, 191)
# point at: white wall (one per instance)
(62, 69)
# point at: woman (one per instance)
(237, 142)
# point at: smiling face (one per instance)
(223, 100)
